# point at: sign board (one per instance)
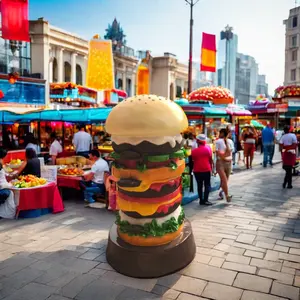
(23, 92)
(49, 173)
(294, 103)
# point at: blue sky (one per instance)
(163, 25)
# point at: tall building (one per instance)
(292, 54)
(226, 61)
(246, 78)
(262, 87)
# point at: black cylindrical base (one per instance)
(151, 262)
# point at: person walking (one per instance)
(224, 161)
(249, 138)
(268, 145)
(202, 168)
(82, 142)
(288, 145)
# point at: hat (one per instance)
(201, 137)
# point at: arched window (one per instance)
(78, 75)
(120, 83)
(128, 87)
(67, 69)
(54, 70)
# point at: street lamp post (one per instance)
(191, 3)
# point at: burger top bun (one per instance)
(146, 116)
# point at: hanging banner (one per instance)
(208, 53)
(15, 23)
(100, 70)
(143, 76)
(142, 80)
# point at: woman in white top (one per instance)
(192, 142)
(288, 145)
(55, 148)
(224, 161)
(8, 207)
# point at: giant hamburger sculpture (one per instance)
(151, 237)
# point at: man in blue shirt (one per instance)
(268, 145)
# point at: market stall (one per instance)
(38, 198)
(268, 111)
(113, 96)
(289, 96)
(71, 94)
(63, 122)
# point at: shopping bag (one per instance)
(215, 183)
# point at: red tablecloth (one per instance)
(69, 182)
(46, 196)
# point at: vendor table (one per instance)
(69, 182)
(46, 196)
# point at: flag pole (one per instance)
(191, 3)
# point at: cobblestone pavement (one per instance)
(249, 250)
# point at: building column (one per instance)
(60, 65)
(182, 88)
(73, 67)
(84, 70)
(133, 83)
(124, 81)
(51, 70)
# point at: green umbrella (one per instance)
(257, 124)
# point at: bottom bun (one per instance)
(150, 241)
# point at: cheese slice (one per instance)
(144, 209)
(149, 176)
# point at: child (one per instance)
(111, 188)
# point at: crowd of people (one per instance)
(205, 162)
(227, 145)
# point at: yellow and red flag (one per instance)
(208, 53)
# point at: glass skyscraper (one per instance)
(226, 63)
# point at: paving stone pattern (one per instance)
(248, 250)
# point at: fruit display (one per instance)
(148, 163)
(8, 169)
(287, 91)
(71, 172)
(15, 163)
(29, 181)
(218, 95)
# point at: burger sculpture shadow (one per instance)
(151, 236)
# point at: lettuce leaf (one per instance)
(152, 229)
